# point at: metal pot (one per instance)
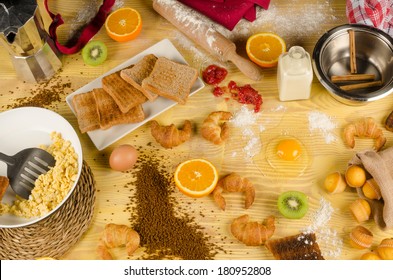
(374, 55)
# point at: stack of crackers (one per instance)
(123, 93)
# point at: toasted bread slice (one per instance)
(86, 111)
(125, 95)
(140, 71)
(171, 80)
(110, 114)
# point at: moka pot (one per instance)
(32, 51)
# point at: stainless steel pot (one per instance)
(374, 55)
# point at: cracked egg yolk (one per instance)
(289, 149)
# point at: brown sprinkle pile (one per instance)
(164, 234)
(44, 94)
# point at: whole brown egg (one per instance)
(123, 158)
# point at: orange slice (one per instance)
(123, 24)
(196, 177)
(265, 48)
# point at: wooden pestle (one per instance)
(195, 27)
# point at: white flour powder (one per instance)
(328, 240)
(245, 119)
(323, 124)
(291, 20)
(197, 23)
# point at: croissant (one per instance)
(234, 183)
(169, 136)
(366, 128)
(253, 233)
(115, 236)
(214, 128)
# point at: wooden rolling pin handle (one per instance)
(206, 36)
(226, 51)
(247, 67)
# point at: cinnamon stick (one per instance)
(352, 77)
(361, 85)
(352, 51)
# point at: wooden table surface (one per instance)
(299, 23)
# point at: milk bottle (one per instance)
(294, 74)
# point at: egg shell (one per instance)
(123, 158)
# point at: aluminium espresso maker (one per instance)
(32, 51)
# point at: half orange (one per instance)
(265, 48)
(123, 24)
(196, 177)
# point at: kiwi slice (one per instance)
(94, 53)
(293, 204)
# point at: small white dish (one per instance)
(104, 138)
(29, 127)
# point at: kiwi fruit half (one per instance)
(293, 204)
(94, 53)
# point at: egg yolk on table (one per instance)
(289, 149)
(283, 156)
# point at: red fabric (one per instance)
(372, 12)
(87, 33)
(227, 12)
(251, 14)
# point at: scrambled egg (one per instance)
(50, 188)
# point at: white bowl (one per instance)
(28, 127)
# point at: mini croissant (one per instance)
(115, 236)
(252, 233)
(169, 136)
(215, 128)
(367, 128)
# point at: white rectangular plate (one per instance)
(104, 138)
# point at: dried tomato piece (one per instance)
(232, 86)
(213, 74)
(218, 91)
(246, 95)
(243, 94)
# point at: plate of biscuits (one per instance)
(134, 92)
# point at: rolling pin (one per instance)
(195, 27)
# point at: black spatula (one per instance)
(25, 167)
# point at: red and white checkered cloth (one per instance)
(372, 12)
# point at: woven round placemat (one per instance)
(55, 235)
